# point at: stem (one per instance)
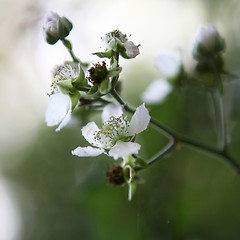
(68, 45)
(176, 137)
(219, 111)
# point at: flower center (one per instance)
(97, 73)
(63, 73)
(113, 130)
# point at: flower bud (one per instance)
(55, 27)
(207, 42)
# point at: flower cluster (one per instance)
(79, 84)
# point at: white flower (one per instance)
(116, 136)
(60, 107)
(168, 64)
(157, 91)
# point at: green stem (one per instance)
(68, 45)
(176, 137)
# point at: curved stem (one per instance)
(68, 45)
(176, 137)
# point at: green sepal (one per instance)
(74, 99)
(107, 54)
(67, 23)
(80, 82)
(93, 92)
(114, 72)
(123, 53)
(105, 86)
(66, 87)
(50, 38)
(63, 30)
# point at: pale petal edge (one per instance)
(124, 149)
(139, 121)
(87, 151)
(89, 130)
(111, 110)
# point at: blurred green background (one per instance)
(45, 193)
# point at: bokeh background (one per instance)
(45, 193)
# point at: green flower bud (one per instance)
(207, 42)
(55, 27)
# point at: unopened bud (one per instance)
(55, 27)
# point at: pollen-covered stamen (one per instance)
(113, 130)
(63, 73)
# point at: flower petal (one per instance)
(157, 91)
(87, 151)
(131, 49)
(111, 110)
(57, 109)
(139, 121)
(89, 130)
(124, 149)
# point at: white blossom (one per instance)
(116, 136)
(59, 107)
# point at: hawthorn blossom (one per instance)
(117, 134)
(60, 105)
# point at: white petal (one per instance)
(89, 130)
(124, 149)
(65, 120)
(139, 121)
(111, 110)
(87, 152)
(157, 91)
(57, 109)
(131, 49)
(168, 64)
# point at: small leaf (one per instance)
(66, 86)
(105, 86)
